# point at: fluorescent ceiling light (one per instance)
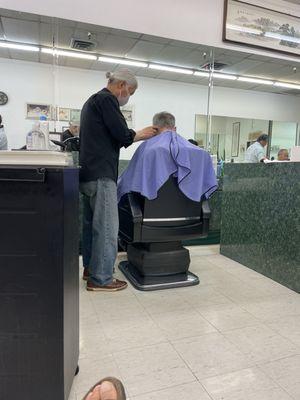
(287, 85)
(255, 80)
(225, 76)
(201, 73)
(171, 69)
(243, 29)
(123, 61)
(65, 53)
(16, 46)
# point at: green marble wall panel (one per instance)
(260, 224)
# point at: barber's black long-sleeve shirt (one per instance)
(103, 131)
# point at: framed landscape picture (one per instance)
(236, 126)
(255, 25)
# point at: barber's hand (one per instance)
(146, 133)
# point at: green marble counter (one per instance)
(260, 224)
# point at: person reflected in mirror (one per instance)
(3, 138)
(72, 131)
(283, 155)
(256, 152)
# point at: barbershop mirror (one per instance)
(251, 94)
(67, 62)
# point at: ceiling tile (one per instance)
(173, 55)
(117, 46)
(147, 51)
(155, 39)
(21, 31)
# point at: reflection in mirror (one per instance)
(221, 96)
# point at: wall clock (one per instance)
(3, 98)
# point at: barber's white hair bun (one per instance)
(109, 75)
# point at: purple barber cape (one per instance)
(164, 155)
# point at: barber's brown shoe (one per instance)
(112, 287)
(86, 274)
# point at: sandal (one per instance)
(117, 385)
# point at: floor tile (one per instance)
(267, 309)
(153, 367)
(201, 296)
(260, 343)
(244, 382)
(211, 354)
(228, 316)
(188, 391)
(286, 373)
(182, 324)
(288, 327)
(138, 335)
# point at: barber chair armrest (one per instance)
(135, 208)
(206, 210)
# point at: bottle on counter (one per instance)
(44, 128)
(35, 139)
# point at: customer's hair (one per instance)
(282, 151)
(0, 120)
(164, 120)
(122, 75)
(194, 142)
(262, 137)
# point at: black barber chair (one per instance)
(151, 232)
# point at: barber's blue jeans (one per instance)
(100, 229)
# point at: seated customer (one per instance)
(283, 155)
(165, 155)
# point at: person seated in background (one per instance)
(72, 131)
(168, 154)
(283, 155)
(194, 142)
(3, 138)
(256, 152)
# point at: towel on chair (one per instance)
(164, 155)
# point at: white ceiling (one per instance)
(39, 30)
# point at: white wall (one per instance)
(33, 82)
(196, 21)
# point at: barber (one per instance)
(103, 131)
(256, 152)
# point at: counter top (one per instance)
(260, 225)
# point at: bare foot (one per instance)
(105, 391)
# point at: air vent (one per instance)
(218, 66)
(83, 45)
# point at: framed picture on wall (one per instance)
(63, 114)
(127, 111)
(35, 111)
(75, 115)
(235, 143)
(254, 25)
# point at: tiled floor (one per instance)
(236, 336)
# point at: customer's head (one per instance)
(263, 139)
(74, 129)
(122, 84)
(283, 155)
(194, 142)
(164, 121)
